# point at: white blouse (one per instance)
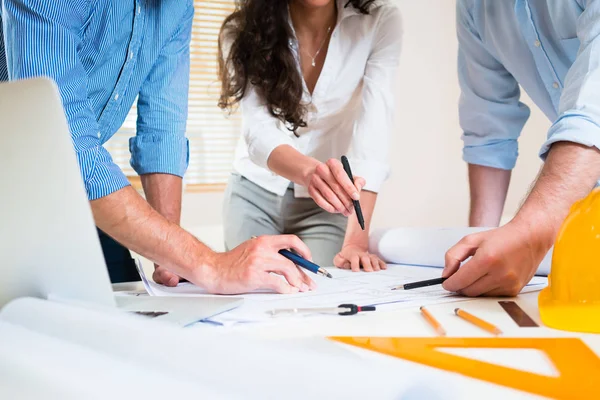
(351, 110)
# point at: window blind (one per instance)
(212, 133)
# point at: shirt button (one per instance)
(537, 43)
(139, 10)
(99, 135)
(130, 55)
(117, 96)
(555, 85)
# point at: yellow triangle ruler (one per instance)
(577, 365)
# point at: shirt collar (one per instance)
(345, 12)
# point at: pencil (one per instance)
(486, 326)
(420, 284)
(432, 321)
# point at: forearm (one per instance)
(125, 216)
(291, 164)
(163, 193)
(354, 234)
(488, 189)
(569, 174)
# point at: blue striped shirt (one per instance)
(103, 55)
(550, 48)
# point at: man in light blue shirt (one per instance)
(103, 56)
(551, 48)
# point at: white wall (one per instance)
(429, 185)
(429, 182)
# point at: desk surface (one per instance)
(409, 323)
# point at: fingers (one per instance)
(498, 282)
(365, 261)
(293, 242)
(331, 190)
(337, 169)
(468, 274)
(328, 192)
(371, 263)
(163, 276)
(320, 200)
(307, 280)
(359, 183)
(339, 260)
(355, 263)
(276, 284)
(376, 262)
(368, 262)
(501, 292)
(292, 274)
(483, 285)
(460, 252)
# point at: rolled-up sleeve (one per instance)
(42, 41)
(261, 130)
(579, 109)
(370, 144)
(160, 144)
(490, 113)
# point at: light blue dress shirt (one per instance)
(103, 55)
(551, 48)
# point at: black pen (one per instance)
(420, 284)
(357, 208)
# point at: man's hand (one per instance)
(353, 257)
(163, 276)
(256, 264)
(503, 261)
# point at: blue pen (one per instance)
(301, 262)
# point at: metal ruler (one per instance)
(517, 314)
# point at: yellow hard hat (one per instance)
(571, 302)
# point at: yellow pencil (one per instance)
(486, 326)
(432, 321)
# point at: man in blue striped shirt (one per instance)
(551, 48)
(103, 55)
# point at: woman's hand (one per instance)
(354, 257)
(332, 190)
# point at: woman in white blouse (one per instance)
(315, 80)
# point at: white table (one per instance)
(410, 323)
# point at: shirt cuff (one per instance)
(374, 173)
(101, 175)
(159, 154)
(576, 128)
(501, 154)
(262, 141)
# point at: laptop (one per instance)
(49, 246)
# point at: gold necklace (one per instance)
(313, 58)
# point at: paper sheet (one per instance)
(361, 288)
(37, 366)
(223, 365)
(426, 246)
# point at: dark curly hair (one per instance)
(258, 33)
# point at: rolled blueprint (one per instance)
(426, 246)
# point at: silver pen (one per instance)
(342, 309)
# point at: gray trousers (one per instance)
(250, 210)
